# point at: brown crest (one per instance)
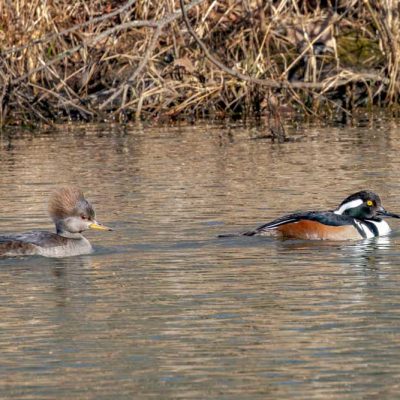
(63, 201)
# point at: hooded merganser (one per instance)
(357, 217)
(72, 214)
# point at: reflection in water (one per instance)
(364, 254)
(163, 309)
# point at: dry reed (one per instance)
(140, 59)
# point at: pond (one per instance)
(163, 308)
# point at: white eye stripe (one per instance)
(347, 206)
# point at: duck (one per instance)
(72, 214)
(359, 216)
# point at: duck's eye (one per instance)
(370, 203)
(83, 217)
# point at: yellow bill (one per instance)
(99, 227)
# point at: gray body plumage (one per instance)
(43, 243)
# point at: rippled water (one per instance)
(165, 310)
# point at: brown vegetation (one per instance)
(143, 59)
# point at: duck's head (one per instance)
(72, 213)
(363, 205)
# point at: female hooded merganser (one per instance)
(357, 217)
(72, 214)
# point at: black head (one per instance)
(363, 205)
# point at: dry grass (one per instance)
(136, 59)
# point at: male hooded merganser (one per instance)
(72, 214)
(357, 217)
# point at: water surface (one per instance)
(163, 309)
